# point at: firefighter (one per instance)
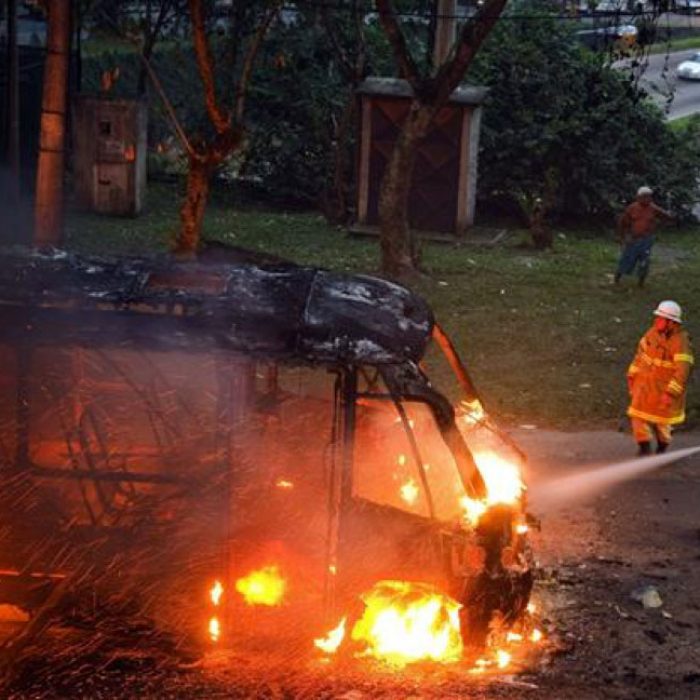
(657, 379)
(636, 232)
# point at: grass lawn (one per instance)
(547, 336)
(682, 122)
(682, 44)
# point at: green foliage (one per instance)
(291, 104)
(560, 123)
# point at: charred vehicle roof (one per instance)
(274, 309)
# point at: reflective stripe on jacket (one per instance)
(661, 366)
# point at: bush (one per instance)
(561, 124)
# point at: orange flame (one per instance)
(502, 658)
(409, 492)
(262, 587)
(215, 593)
(471, 412)
(503, 485)
(405, 622)
(214, 629)
(333, 639)
(284, 484)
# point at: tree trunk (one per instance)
(48, 206)
(400, 248)
(192, 211)
(335, 202)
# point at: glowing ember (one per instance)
(332, 569)
(531, 607)
(333, 639)
(514, 637)
(409, 492)
(473, 509)
(406, 622)
(502, 658)
(536, 635)
(521, 529)
(480, 665)
(401, 460)
(284, 484)
(263, 587)
(214, 629)
(217, 590)
(471, 412)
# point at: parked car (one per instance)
(689, 7)
(690, 69)
(31, 31)
(602, 37)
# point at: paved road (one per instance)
(680, 97)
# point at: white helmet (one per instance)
(669, 310)
(645, 191)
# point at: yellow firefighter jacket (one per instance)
(661, 366)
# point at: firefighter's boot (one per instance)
(644, 449)
(661, 447)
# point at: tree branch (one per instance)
(248, 62)
(168, 106)
(352, 69)
(342, 54)
(451, 73)
(407, 66)
(205, 63)
(153, 30)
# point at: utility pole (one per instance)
(13, 111)
(48, 205)
(445, 31)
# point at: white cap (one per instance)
(670, 310)
(645, 191)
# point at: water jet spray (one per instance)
(557, 493)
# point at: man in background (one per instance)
(636, 231)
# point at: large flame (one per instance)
(503, 485)
(265, 586)
(405, 622)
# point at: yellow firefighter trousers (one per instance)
(644, 431)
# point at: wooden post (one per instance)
(13, 109)
(445, 31)
(363, 170)
(48, 206)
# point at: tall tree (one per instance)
(431, 91)
(225, 115)
(48, 205)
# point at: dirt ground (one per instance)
(595, 554)
(601, 642)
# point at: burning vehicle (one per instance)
(244, 449)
